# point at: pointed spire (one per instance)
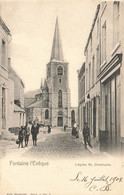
(57, 52)
(41, 84)
(45, 84)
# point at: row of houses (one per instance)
(100, 79)
(12, 113)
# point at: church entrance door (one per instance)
(60, 121)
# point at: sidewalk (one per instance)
(95, 149)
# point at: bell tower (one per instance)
(57, 81)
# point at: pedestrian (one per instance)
(75, 128)
(65, 127)
(34, 132)
(86, 135)
(77, 132)
(49, 129)
(27, 132)
(21, 136)
(72, 130)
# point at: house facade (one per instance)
(111, 32)
(12, 113)
(5, 38)
(17, 114)
(104, 77)
(81, 96)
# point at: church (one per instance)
(51, 103)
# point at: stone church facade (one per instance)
(52, 101)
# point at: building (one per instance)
(5, 38)
(81, 96)
(111, 65)
(103, 77)
(89, 100)
(11, 88)
(17, 114)
(52, 105)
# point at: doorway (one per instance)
(60, 121)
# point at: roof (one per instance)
(92, 27)
(37, 104)
(13, 73)
(81, 70)
(4, 26)
(18, 109)
(57, 52)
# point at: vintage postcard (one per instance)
(61, 97)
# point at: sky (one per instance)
(32, 24)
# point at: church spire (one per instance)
(56, 52)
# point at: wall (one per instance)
(4, 35)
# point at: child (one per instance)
(21, 136)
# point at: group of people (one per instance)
(33, 129)
(85, 132)
(25, 132)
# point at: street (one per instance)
(60, 145)
(57, 145)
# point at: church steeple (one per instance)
(57, 52)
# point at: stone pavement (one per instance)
(58, 144)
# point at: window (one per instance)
(104, 42)
(72, 117)
(60, 98)
(60, 70)
(98, 27)
(116, 22)
(46, 114)
(97, 61)
(86, 80)
(93, 59)
(60, 80)
(3, 109)
(89, 75)
(3, 56)
(82, 87)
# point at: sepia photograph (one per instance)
(61, 97)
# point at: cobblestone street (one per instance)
(57, 145)
(62, 145)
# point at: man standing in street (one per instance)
(34, 132)
(86, 135)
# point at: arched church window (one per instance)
(72, 117)
(60, 98)
(46, 114)
(60, 70)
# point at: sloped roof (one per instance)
(37, 104)
(32, 93)
(18, 109)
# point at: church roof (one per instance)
(57, 52)
(37, 104)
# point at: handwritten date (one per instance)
(102, 183)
